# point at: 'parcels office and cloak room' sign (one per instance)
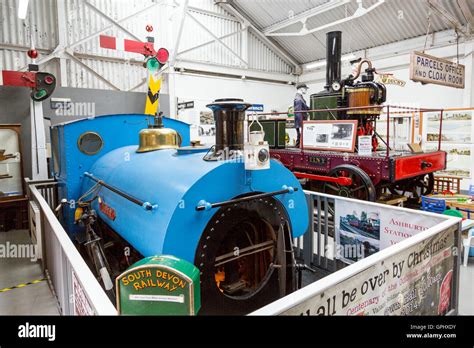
(428, 69)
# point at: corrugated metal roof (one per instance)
(194, 35)
(268, 12)
(393, 21)
(263, 58)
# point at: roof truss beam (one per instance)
(222, 43)
(112, 21)
(466, 11)
(59, 51)
(447, 17)
(184, 10)
(361, 11)
(247, 23)
(92, 71)
(211, 13)
(304, 16)
(204, 44)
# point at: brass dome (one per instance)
(152, 139)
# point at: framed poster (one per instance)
(206, 127)
(330, 135)
(364, 229)
(457, 140)
(456, 128)
(459, 160)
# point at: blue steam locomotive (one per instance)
(168, 195)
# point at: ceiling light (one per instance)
(322, 63)
(316, 65)
(22, 9)
(349, 57)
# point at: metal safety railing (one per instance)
(316, 245)
(382, 109)
(74, 285)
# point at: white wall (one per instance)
(204, 90)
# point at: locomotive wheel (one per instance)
(416, 187)
(362, 187)
(236, 256)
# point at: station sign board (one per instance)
(186, 105)
(428, 69)
(256, 108)
(159, 285)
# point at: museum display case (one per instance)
(13, 201)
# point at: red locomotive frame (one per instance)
(365, 177)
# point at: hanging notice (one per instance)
(363, 229)
(80, 301)
(388, 79)
(186, 105)
(428, 69)
(416, 281)
(365, 145)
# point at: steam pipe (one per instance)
(203, 205)
(145, 205)
(359, 68)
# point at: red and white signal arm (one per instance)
(41, 83)
(132, 46)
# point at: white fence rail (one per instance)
(433, 278)
(76, 288)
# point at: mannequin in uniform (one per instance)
(300, 105)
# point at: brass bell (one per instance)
(155, 137)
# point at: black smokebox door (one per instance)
(235, 256)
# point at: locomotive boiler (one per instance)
(201, 205)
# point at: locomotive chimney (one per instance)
(333, 58)
(229, 116)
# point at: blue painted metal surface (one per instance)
(176, 184)
(116, 131)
